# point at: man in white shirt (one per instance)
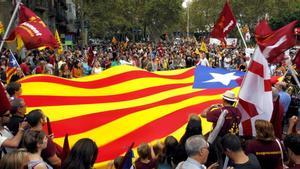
(203, 61)
(197, 150)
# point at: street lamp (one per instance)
(185, 5)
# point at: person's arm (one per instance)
(204, 113)
(218, 127)
(292, 125)
(15, 141)
(55, 161)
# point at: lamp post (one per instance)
(186, 5)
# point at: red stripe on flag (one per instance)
(248, 107)
(101, 118)
(256, 68)
(10, 71)
(247, 129)
(268, 85)
(31, 101)
(170, 123)
(120, 78)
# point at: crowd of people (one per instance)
(276, 144)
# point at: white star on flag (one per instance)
(225, 79)
(13, 62)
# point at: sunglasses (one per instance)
(6, 115)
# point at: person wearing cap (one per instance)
(7, 140)
(233, 117)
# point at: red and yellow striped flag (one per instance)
(119, 106)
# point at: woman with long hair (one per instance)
(265, 146)
(14, 160)
(82, 155)
(35, 142)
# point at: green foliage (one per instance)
(154, 17)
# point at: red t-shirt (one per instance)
(25, 68)
(267, 152)
(140, 165)
(232, 119)
(39, 70)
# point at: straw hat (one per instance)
(229, 95)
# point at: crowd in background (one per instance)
(277, 143)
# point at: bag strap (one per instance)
(281, 153)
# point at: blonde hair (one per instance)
(14, 160)
(264, 130)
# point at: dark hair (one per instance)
(12, 87)
(171, 144)
(193, 128)
(231, 142)
(34, 116)
(118, 161)
(15, 104)
(144, 151)
(292, 142)
(82, 155)
(31, 138)
(229, 102)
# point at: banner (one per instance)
(224, 24)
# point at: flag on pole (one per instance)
(224, 24)
(259, 104)
(60, 47)
(203, 47)
(25, 15)
(32, 31)
(255, 96)
(65, 148)
(5, 104)
(12, 67)
(275, 43)
(197, 51)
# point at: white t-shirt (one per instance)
(4, 135)
(204, 62)
(227, 61)
(97, 70)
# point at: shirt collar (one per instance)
(194, 162)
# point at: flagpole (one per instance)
(17, 62)
(237, 25)
(9, 24)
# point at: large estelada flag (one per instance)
(32, 31)
(224, 24)
(125, 104)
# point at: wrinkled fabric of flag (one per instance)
(125, 104)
